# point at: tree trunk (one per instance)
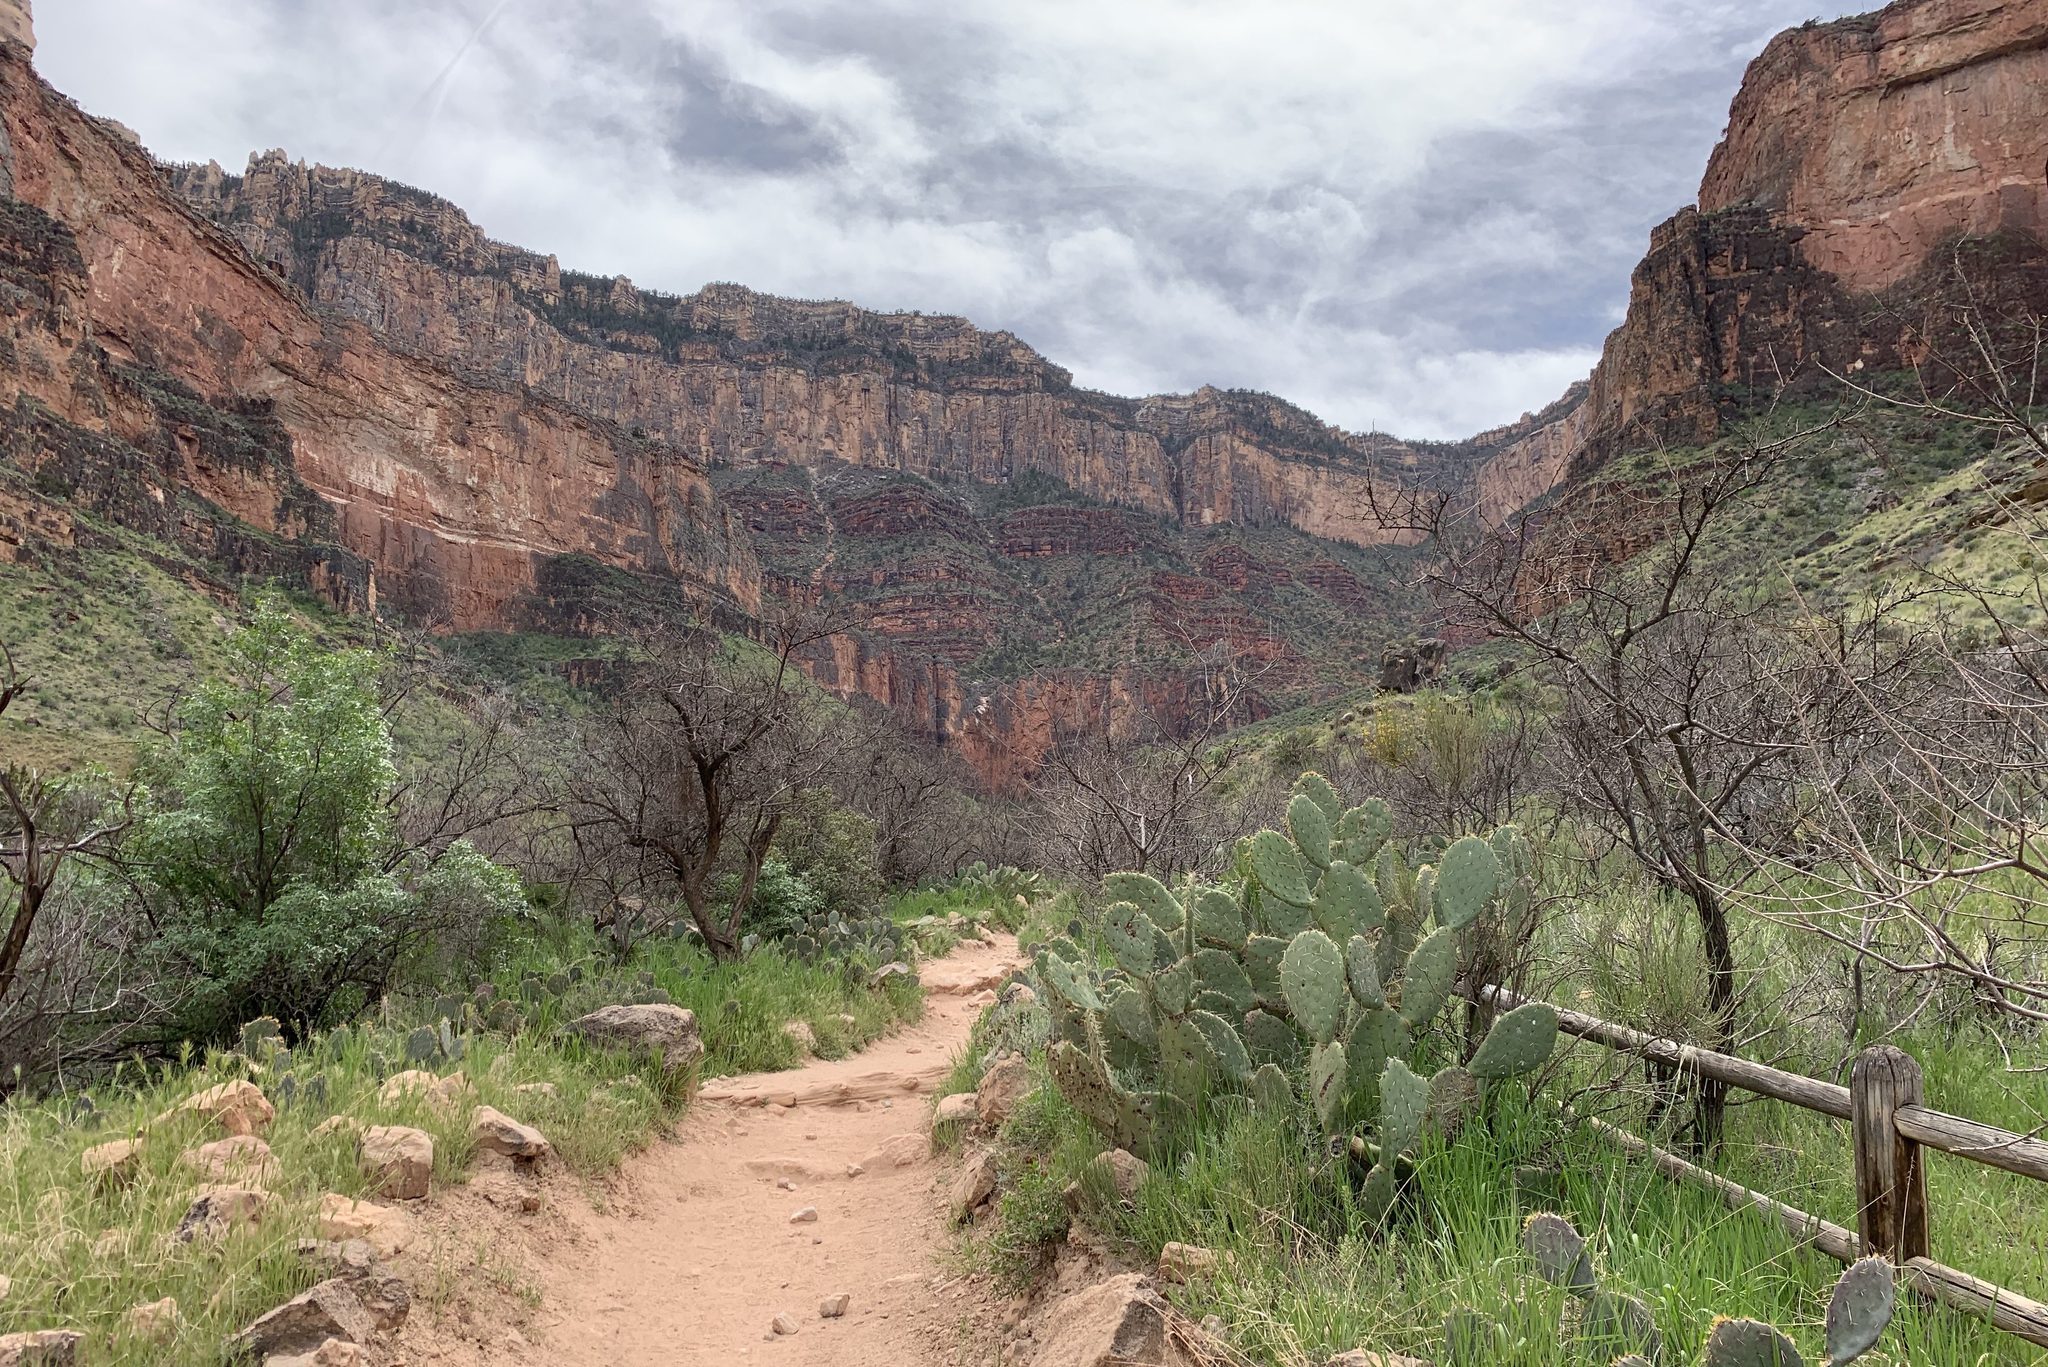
(1710, 1115)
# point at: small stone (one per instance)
(975, 1186)
(238, 1107)
(154, 1322)
(785, 1184)
(114, 1163)
(898, 1151)
(385, 1229)
(544, 1090)
(497, 1132)
(216, 1210)
(807, 1216)
(1359, 1358)
(41, 1348)
(1183, 1262)
(957, 1109)
(1120, 1171)
(1007, 1082)
(338, 1124)
(854, 1169)
(332, 1353)
(241, 1157)
(785, 1324)
(304, 1324)
(400, 1159)
(833, 1307)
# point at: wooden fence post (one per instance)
(1891, 1179)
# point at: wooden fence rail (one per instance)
(1889, 1127)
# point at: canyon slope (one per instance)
(317, 374)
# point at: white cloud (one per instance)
(1417, 215)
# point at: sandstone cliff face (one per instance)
(1855, 150)
(737, 378)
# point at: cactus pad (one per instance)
(1616, 1321)
(1364, 829)
(1318, 789)
(1453, 1096)
(1859, 1310)
(1225, 1047)
(1173, 987)
(1161, 907)
(1310, 829)
(1269, 1039)
(1376, 1197)
(1427, 982)
(1363, 972)
(1404, 1100)
(1221, 974)
(1132, 938)
(1185, 1059)
(1271, 1091)
(1465, 881)
(1326, 1077)
(1278, 868)
(1312, 977)
(1559, 1253)
(1219, 921)
(1346, 903)
(1749, 1343)
(422, 1045)
(1129, 1015)
(1519, 1042)
(1262, 958)
(1070, 982)
(1376, 1036)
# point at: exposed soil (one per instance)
(694, 1253)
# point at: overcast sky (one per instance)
(1416, 216)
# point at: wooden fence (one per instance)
(1890, 1129)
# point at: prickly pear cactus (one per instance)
(1319, 970)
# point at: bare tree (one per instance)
(1132, 790)
(1680, 713)
(707, 744)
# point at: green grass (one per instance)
(79, 1257)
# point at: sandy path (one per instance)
(696, 1273)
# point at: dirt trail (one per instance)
(695, 1272)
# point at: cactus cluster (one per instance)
(261, 1043)
(1316, 973)
(1611, 1321)
(833, 935)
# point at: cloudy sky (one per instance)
(1415, 216)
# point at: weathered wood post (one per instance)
(1891, 1179)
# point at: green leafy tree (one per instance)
(269, 860)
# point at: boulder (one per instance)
(1182, 1262)
(1122, 1322)
(401, 1160)
(304, 1324)
(154, 1322)
(112, 1164)
(442, 1092)
(239, 1158)
(669, 1031)
(974, 1186)
(898, 1151)
(1119, 1172)
(333, 1353)
(216, 1210)
(383, 1228)
(42, 1348)
(238, 1107)
(957, 1109)
(834, 1307)
(1007, 1082)
(496, 1132)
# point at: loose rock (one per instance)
(332, 1353)
(154, 1322)
(1005, 1084)
(957, 1109)
(975, 1186)
(400, 1159)
(42, 1348)
(1119, 1172)
(444, 1093)
(242, 1157)
(1359, 1358)
(833, 1307)
(216, 1210)
(304, 1324)
(898, 1151)
(238, 1107)
(381, 1227)
(497, 1132)
(1122, 1322)
(1182, 1262)
(807, 1216)
(113, 1164)
(669, 1031)
(785, 1324)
